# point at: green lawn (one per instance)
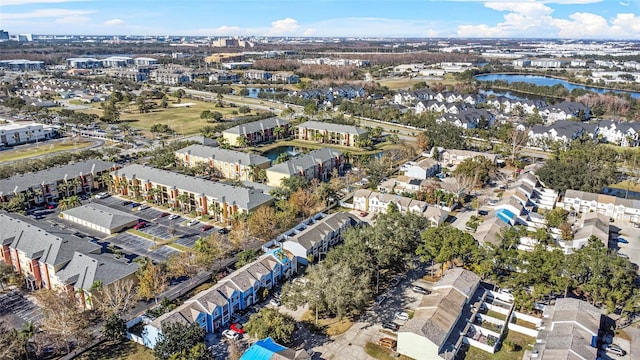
(183, 120)
(496, 315)
(522, 342)
(43, 148)
(626, 184)
(125, 350)
(378, 352)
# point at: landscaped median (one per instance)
(158, 242)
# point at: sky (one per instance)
(574, 19)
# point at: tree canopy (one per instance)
(181, 342)
(270, 322)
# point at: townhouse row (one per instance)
(625, 134)
(378, 203)
(52, 259)
(213, 309)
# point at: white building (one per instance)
(13, 134)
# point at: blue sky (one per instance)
(600, 19)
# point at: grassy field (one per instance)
(397, 84)
(626, 184)
(43, 148)
(378, 352)
(125, 350)
(330, 326)
(522, 342)
(183, 120)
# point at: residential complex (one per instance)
(317, 164)
(189, 193)
(608, 205)
(455, 157)
(257, 132)
(52, 184)
(329, 133)
(224, 163)
(100, 218)
(378, 203)
(52, 259)
(212, 309)
(14, 134)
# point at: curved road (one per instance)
(96, 144)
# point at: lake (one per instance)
(548, 81)
(253, 92)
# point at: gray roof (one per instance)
(339, 128)
(257, 126)
(102, 216)
(306, 161)
(224, 155)
(83, 270)
(24, 181)
(39, 241)
(246, 199)
(315, 233)
(460, 279)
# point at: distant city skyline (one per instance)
(579, 19)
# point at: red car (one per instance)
(206, 227)
(140, 225)
(50, 206)
(236, 327)
(164, 214)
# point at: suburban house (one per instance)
(375, 202)
(422, 169)
(565, 111)
(608, 205)
(50, 259)
(317, 164)
(100, 218)
(514, 106)
(212, 309)
(455, 157)
(329, 133)
(569, 331)
(311, 240)
(409, 97)
(561, 131)
(468, 119)
(437, 107)
(49, 185)
(592, 224)
(257, 132)
(257, 75)
(224, 163)
(187, 192)
(441, 318)
(14, 134)
(267, 349)
(489, 230)
(619, 133)
(400, 184)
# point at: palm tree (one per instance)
(38, 193)
(215, 209)
(73, 200)
(154, 194)
(241, 141)
(278, 131)
(27, 334)
(107, 180)
(63, 187)
(185, 201)
(75, 183)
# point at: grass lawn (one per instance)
(330, 326)
(525, 324)
(496, 315)
(125, 350)
(183, 120)
(522, 342)
(395, 84)
(43, 148)
(381, 353)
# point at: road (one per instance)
(97, 143)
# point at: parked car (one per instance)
(621, 240)
(173, 217)
(615, 350)
(420, 290)
(237, 327)
(390, 326)
(387, 342)
(363, 213)
(381, 299)
(134, 205)
(402, 316)
(164, 214)
(275, 302)
(102, 195)
(206, 227)
(140, 225)
(223, 231)
(126, 202)
(143, 207)
(193, 222)
(51, 206)
(231, 335)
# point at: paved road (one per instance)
(97, 143)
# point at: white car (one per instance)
(143, 207)
(275, 302)
(173, 217)
(193, 222)
(102, 195)
(402, 316)
(230, 334)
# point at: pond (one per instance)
(548, 81)
(253, 92)
(289, 150)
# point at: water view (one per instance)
(547, 81)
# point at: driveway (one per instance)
(625, 229)
(141, 246)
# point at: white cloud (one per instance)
(27, 2)
(46, 13)
(309, 32)
(286, 26)
(114, 22)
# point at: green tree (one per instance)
(446, 244)
(478, 168)
(180, 341)
(114, 327)
(271, 322)
(556, 217)
(245, 257)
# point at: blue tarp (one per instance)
(262, 350)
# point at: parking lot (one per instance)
(137, 245)
(625, 230)
(17, 310)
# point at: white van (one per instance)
(615, 350)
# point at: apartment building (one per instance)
(608, 205)
(257, 132)
(317, 164)
(187, 192)
(52, 259)
(329, 133)
(224, 163)
(14, 134)
(51, 184)
(455, 157)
